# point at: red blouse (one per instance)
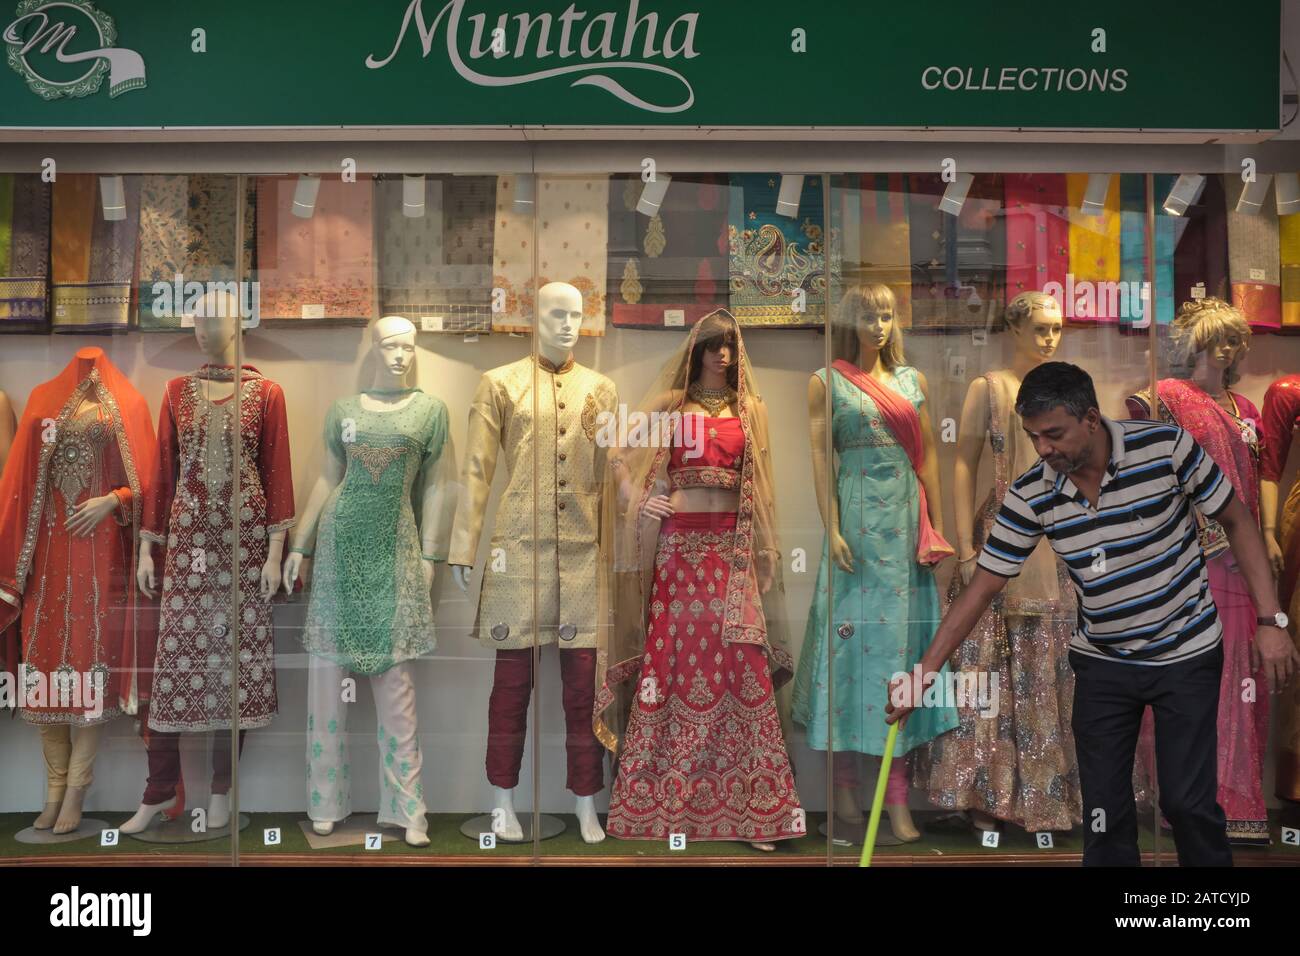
(1281, 415)
(709, 454)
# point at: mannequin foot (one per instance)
(983, 821)
(588, 821)
(505, 822)
(48, 816)
(323, 827)
(70, 811)
(900, 822)
(763, 847)
(416, 837)
(144, 816)
(218, 811)
(846, 806)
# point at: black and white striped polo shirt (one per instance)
(1144, 594)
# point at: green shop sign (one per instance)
(1110, 64)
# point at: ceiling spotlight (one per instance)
(304, 196)
(525, 192)
(1187, 189)
(652, 195)
(1288, 193)
(112, 196)
(787, 200)
(1253, 195)
(1094, 196)
(954, 197)
(413, 196)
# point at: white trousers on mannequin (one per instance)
(329, 770)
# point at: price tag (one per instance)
(674, 317)
(430, 323)
(1290, 836)
(990, 838)
(1256, 275)
(109, 837)
(1198, 291)
(487, 841)
(677, 841)
(374, 841)
(60, 311)
(979, 336)
(1045, 841)
(313, 311)
(471, 338)
(187, 320)
(271, 837)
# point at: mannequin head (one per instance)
(1035, 322)
(393, 341)
(716, 350)
(866, 322)
(1212, 330)
(559, 317)
(216, 323)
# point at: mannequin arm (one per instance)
(304, 535)
(482, 446)
(972, 436)
(1268, 522)
(828, 503)
(8, 426)
(930, 465)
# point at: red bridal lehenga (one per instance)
(693, 640)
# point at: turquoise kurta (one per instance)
(369, 606)
(887, 609)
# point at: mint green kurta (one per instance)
(885, 612)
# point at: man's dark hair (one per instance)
(1054, 384)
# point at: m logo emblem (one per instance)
(65, 47)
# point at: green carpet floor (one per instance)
(447, 840)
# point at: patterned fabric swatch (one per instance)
(438, 267)
(1095, 255)
(668, 270)
(187, 230)
(1254, 257)
(773, 258)
(572, 228)
(322, 267)
(1038, 232)
(24, 253)
(883, 251)
(958, 262)
(1201, 249)
(1133, 250)
(1289, 245)
(92, 260)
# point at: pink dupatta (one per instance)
(902, 419)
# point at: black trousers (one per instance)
(1109, 698)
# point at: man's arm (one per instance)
(960, 620)
(1279, 655)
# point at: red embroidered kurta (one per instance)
(190, 512)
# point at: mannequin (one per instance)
(370, 610)
(69, 517)
(1281, 415)
(1024, 769)
(8, 425)
(189, 513)
(570, 469)
(1211, 337)
(884, 533)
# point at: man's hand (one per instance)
(1279, 656)
(900, 689)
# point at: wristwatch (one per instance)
(1277, 620)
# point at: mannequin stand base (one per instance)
(855, 834)
(551, 827)
(179, 831)
(351, 832)
(89, 827)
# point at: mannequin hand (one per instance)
(1275, 556)
(841, 553)
(967, 568)
(292, 568)
(428, 574)
(659, 507)
(86, 517)
(766, 571)
(270, 582)
(460, 574)
(1281, 659)
(144, 576)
